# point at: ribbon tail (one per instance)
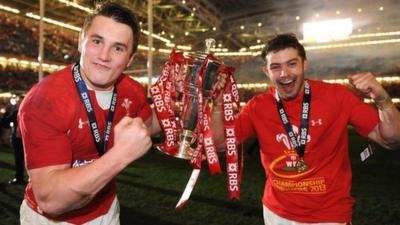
(188, 189)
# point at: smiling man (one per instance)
(83, 125)
(301, 125)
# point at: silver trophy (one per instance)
(189, 115)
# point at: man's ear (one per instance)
(306, 65)
(264, 68)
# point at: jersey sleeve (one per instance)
(43, 120)
(243, 122)
(362, 116)
(144, 107)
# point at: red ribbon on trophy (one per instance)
(182, 99)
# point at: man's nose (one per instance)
(284, 71)
(104, 54)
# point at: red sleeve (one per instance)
(243, 122)
(43, 120)
(363, 117)
(142, 107)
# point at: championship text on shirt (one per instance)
(311, 186)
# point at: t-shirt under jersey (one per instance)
(322, 193)
(56, 131)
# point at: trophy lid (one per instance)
(209, 44)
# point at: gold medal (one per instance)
(301, 166)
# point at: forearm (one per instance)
(59, 190)
(389, 122)
(153, 123)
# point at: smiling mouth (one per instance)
(101, 66)
(287, 82)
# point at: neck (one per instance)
(91, 86)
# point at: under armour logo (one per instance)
(315, 122)
(126, 104)
(81, 123)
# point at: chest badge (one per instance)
(127, 105)
(81, 123)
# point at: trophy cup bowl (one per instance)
(191, 101)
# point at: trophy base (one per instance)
(179, 155)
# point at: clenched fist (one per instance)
(131, 138)
(368, 85)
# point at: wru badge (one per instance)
(183, 100)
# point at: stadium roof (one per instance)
(235, 24)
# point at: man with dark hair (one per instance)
(301, 125)
(83, 125)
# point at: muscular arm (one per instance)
(59, 189)
(387, 132)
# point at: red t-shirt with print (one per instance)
(322, 193)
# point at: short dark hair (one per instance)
(281, 42)
(118, 13)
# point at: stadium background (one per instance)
(150, 187)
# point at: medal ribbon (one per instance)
(300, 146)
(233, 171)
(101, 145)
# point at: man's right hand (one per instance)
(131, 138)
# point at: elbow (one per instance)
(50, 208)
(393, 141)
(393, 145)
(56, 207)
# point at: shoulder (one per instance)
(129, 86)
(52, 94)
(329, 89)
(56, 83)
(262, 100)
(126, 81)
(335, 94)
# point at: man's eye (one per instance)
(96, 41)
(119, 49)
(274, 67)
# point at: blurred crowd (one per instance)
(14, 78)
(20, 37)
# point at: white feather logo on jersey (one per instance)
(81, 123)
(126, 104)
(283, 137)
